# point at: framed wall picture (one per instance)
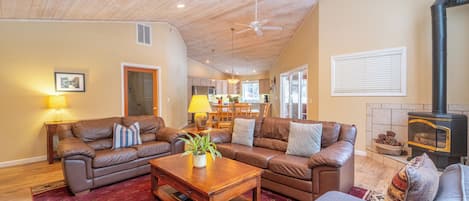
(69, 82)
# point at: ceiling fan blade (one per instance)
(259, 33)
(243, 25)
(264, 21)
(276, 28)
(242, 31)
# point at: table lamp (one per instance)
(57, 102)
(200, 106)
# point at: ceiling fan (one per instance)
(258, 25)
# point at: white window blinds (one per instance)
(375, 73)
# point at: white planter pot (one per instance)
(199, 161)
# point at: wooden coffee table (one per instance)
(223, 179)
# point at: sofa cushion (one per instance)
(418, 180)
(126, 137)
(304, 139)
(243, 131)
(454, 184)
(269, 143)
(279, 128)
(110, 157)
(293, 166)
(101, 144)
(152, 148)
(146, 137)
(229, 150)
(148, 123)
(91, 130)
(330, 131)
(258, 156)
(276, 128)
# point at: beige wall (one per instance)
(362, 25)
(30, 52)
(254, 77)
(302, 49)
(200, 70)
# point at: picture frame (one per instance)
(69, 82)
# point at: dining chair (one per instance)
(224, 116)
(242, 110)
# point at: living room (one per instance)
(99, 39)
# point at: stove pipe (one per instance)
(439, 52)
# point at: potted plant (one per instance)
(199, 145)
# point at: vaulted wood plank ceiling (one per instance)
(204, 24)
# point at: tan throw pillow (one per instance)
(243, 131)
(418, 181)
(304, 139)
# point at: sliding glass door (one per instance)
(293, 93)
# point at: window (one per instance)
(293, 93)
(375, 73)
(250, 91)
(144, 34)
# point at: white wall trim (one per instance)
(22, 161)
(160, 109)
(360, 152)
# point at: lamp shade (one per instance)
(57, 102)
(199, 104)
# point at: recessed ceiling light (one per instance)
(227, 71)
(254, 71)
(207, 61)
(181, 5)
(237, 73)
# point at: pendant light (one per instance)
(232, 80)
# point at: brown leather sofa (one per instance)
(301, 178)
(89, 161)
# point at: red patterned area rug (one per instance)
(136, 189)
(366, 194)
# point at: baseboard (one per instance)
(22, 161)
(360, 152)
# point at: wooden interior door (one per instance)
(140, 91)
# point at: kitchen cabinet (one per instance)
(264, 86)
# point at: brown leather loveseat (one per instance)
(89, 161)
(301, 178)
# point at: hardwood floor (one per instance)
(15, 182)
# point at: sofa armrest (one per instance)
(74, 146)
(169, 134)
(218, 135)
(335, 155)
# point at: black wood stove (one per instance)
(441, 135)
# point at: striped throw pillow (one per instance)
(126, 137)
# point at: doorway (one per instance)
(293, 93)
(141, 94)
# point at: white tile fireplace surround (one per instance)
(381, 117)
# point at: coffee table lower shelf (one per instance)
(166, 193)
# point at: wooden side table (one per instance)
(51, 128)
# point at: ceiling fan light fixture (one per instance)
(181, 5)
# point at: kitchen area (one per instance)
(256, 92)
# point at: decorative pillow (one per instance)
(304, 139)
(243, 131)
(454, 184)
(418, 180)
(126, 136)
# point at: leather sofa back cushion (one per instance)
(268, 143)
(91, 130)
(279, 129)
(101, 144)
(148, 123)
